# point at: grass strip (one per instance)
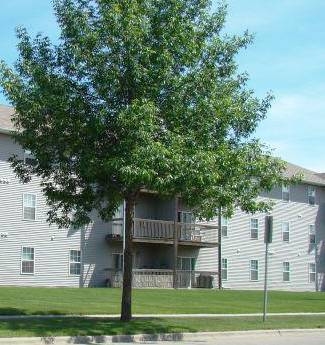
(29, 301)
(97, 327)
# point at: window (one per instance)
(285, 232)
(75, 262)
(312, 273)
(117, 221)
(187, 221)
(186, 263)
(224, 227)
(285, 193)
(312, 235)
(286, 271)
(117, 261)
(27, 260)
(311, 195)
(254, 270)
(29, 206)
(224, 269)
(186, 217)
(254, 228)
(29, 159)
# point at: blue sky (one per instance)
(287, 58)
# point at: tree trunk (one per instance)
(126, 311)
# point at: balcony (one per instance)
(160, 231)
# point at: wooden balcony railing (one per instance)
(151, 229)
(160, 229)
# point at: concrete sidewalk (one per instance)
(147, 316)
(143, 338)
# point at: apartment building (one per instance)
(296, 259)
(33, 253)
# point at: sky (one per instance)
(286, 58)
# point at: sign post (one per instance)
(267, 240)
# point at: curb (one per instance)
(102, 340)
(146, 316)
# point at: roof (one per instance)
(5, 119)
(309, 176)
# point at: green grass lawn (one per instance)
(18, 300)
(97, 327)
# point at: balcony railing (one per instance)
(160, 229)
(158, 278)
(151, 229)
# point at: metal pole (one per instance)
(175, 244)
(265, 281)
(123, 233)
(219, 250)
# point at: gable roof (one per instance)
(6, 126)
(309, 176)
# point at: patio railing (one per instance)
(160, 278)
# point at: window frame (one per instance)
(311, 272)
(224, 269)
(224, 226)
(312, 234)
(282, 232)
(23, 208)
(311, 193)
(25, 260)
(254, 270)
(254, 229)
(192, 260)
(28, 155)
(286, 270)
(285, 190)
(120, 260)
(75, 262)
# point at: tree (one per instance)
(138, 94)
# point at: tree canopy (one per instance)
(138, 94)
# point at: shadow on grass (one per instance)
(17, 311)
(91, 330)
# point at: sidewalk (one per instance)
(147, 316)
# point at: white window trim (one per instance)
(227, 269)
(69, 271)
(23, 218)
(250, 229)
(187, 257)
(224, 224)
(310, 233)
(289, 232)
(283, 272)
(21, 261)
(28, 154)
(250, 271)
(309, 272)
(118, 253)
(282, 193)
(308, 189)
